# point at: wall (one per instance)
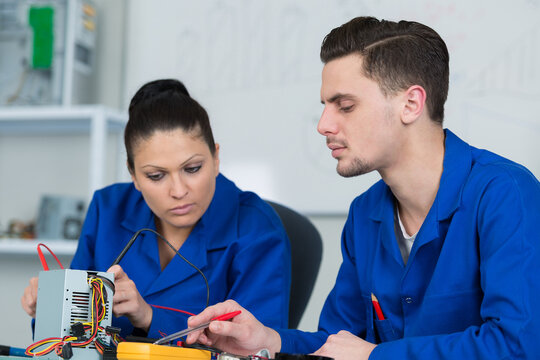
(254, 65)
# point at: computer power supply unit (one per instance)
(65, 298)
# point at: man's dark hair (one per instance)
(164, 105)
(396, 55)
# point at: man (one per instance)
(447, 242)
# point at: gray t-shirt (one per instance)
(405, 241)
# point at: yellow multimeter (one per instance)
(146, 351)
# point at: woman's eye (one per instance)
(192, 169)
(154, 177)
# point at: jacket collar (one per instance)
(220, 219)
(456, 167)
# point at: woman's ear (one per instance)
(414, 100)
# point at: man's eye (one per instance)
(192, 169)
(346, 108)
(154, 177)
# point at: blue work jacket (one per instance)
(239, 244)
(471, 286)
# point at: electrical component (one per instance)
(65, 298)
(60, 217)
(145, 351)
(77, 330)
(227, 356)
(48, 51)
(67, 351)
(41, 20)
(112, 330)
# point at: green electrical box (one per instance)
(41, 19)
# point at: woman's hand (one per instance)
(29, 298)
(128, 302)
(243, 335)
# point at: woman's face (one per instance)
(176, 174)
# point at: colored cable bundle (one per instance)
(62, 346)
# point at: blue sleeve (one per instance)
(165, 319)
(260, 277)
(84, 256)
(343, 309)
(509, 216)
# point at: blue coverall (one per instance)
(471, 286)
(239, 244)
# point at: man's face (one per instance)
(360, 123)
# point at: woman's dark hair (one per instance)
(164, 105)
(396, 55)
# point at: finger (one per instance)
(212, 311)
(122, 296)
(117, 271)
(229, 329)
(30, 310)
(320, 351)
(26, 306)
(33, 287)
(199, 337)
(121, 308)
(28, 300)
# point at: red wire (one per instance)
(173, 309)
(42, 257)
(99, 311)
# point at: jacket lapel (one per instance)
(383, 213)
(213, 231)
(178, 270)
(430, 239)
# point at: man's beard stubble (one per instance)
(357, 167)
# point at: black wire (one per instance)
(126, 248)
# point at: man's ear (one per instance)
(414, 101)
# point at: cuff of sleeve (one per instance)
(287, 342)
(165, 322)
(157, 327)
(300, 342)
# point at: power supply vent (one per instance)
(65, 298)
(80, 307)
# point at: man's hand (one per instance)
(128, 302)
(29, 298)
(346, 346)
(243, 335)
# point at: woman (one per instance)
(231, 236)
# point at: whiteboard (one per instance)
(254, 65)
